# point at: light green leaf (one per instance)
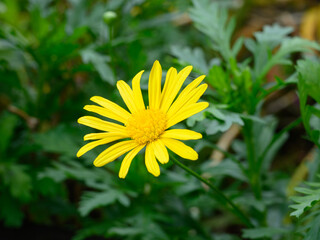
(225, 168)
(99, 61)
(211, 18)
(303, 203)
(309, 78)
(289, 46)
(92, 200)
(194, 57)
(264, 232)
(59, 140)
(314, 232)
(224, 120)
(273, 35)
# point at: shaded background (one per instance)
(55, 55)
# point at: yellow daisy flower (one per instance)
(146, 127)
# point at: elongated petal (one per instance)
(113, 152)
(126, 162)
(186, 99)
(155, 86)
(151, 162)
(180, 148)
(174, 86)
(106, 113)
(127, 95)
(186, 112)
(102, 125)
(137, 95)
(181, 134)
(97, 136)
(195, 83)
(166, 98)
(160, 151)
(112, 107)
(94, 144)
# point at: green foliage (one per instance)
(266, 232)
(212, 19)
(55, 55)
(309, 85)
(92, 200)
(310, 198)
(306, 209)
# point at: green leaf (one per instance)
(140, 226)
(224, 120)
(289, 46)
(7, 126)
(309, 83)
(220, 80)
(272, 35)
(264, 232)
(267, 142)
(314, 232)
(194, 57)
(95, 178)
(225, 168)
(266, 40)
(99, 61)
(211, 18)
(92, 200)
(303, 203)
(18, 181)
(125, 231)
(60, 140)
(83, 14)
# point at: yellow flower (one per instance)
(146, 127)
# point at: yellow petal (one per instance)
(180, 148)
(112, 107)
(97, 136)
(186, 99)
(106, 113)
(126, 162)
(113, 152)
(166, 97)
(181, 134)
(102, 125)
(160, 151)
(154, 92)
(195, 83)
(127, 95)
(137, 95)
(174, 86)
(151, 162)
(186, 112)
(94, 144)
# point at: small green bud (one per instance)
(109, 17)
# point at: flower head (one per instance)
(146, 126)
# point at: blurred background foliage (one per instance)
(261, 132)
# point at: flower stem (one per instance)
(223, 199)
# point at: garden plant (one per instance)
(156, 120)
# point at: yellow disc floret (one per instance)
(146, 125)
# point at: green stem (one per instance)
(254, 173)
(219, 195)
(110, 46)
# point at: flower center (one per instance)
(146, 125)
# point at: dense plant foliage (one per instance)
(55, 55)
